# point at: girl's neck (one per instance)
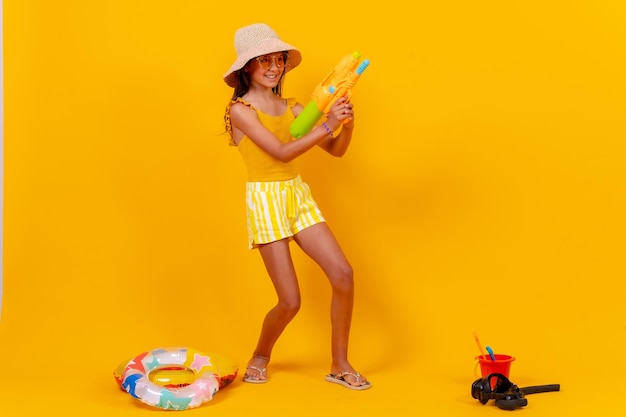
(262, 94)
(266, 101)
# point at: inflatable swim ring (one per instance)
(180, 376)
(172, 378)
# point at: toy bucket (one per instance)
(502, 365)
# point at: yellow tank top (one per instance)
(260, 165)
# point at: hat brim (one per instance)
(269, 46)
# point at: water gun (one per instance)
(338, 83)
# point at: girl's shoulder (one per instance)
(291, 102)
(227, 115)
(238, 100)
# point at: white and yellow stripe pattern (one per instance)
(278, 210)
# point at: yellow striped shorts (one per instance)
(279, 210)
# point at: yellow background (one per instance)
(484, 191)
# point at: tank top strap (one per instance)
(291, 102)
(227, 122)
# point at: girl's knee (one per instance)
(289, 308)
(342, 279)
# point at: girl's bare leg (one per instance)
(319, 243)
(279, 265)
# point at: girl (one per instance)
(280, 206)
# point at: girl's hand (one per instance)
(339, 112)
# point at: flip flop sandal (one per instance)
(340, 379)
(262, 372)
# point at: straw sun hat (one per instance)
(256, 40)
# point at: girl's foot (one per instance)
(349, 380)
(349, 377)
(256, 371)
